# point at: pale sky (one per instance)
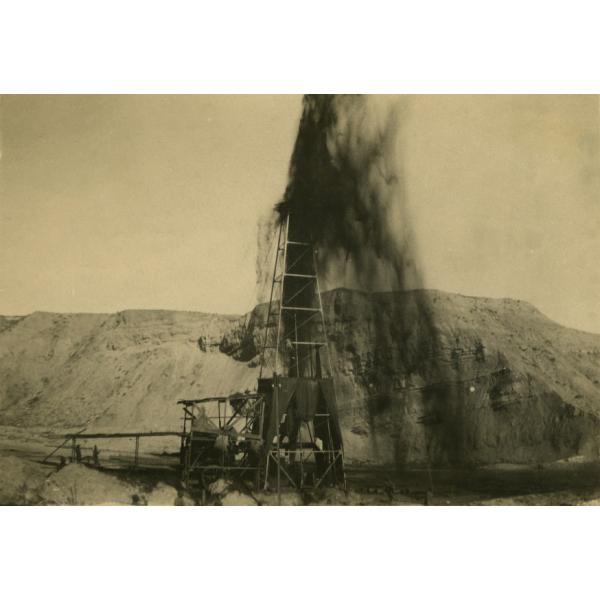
(116, 202)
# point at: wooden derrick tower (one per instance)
(287, 433)
(303, 442)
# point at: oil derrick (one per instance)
(302, 438)
(287, 433)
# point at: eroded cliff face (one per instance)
(493, 381)
(426, 377)
(422, 377)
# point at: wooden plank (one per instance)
(123, 435)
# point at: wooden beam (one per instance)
(63, 444)
(134, 434)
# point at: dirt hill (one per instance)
(125, 370)
(423, 377)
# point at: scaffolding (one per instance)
(222, 436)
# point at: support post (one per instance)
(137, 451)
(277, 430)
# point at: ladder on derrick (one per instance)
(295, 340)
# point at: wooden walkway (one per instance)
(135, 434)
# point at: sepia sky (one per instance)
(115, 202)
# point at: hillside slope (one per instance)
(121, 371)
(423, 377)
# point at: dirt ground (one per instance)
(25, 480)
